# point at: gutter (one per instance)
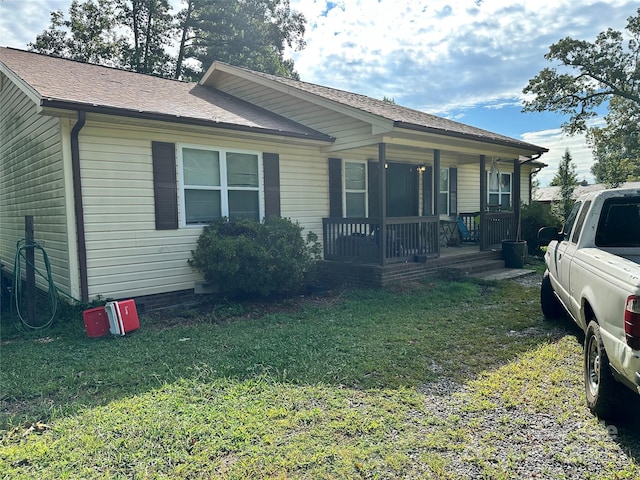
(506, 142)
(78, 207)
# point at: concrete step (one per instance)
(503, 273)
(478, 266)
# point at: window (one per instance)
(218, 183)
(355, 189)
(500, 193)
(443, 193)
(580, 222)
(568, 223)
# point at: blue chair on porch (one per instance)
(465, 234)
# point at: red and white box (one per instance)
(123, 317)
(96, 322)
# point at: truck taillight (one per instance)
(632, 322)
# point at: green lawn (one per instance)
(330, 387)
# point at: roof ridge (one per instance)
(99, 65)
(382, 103)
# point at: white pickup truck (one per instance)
(593, 273)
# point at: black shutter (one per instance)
(335, 187)
(271, 164)
(165, 188)
(374, 188)
(427, 191)
(453, 191)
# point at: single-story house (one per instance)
(120, 172)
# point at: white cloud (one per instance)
(558, 142)
(446, 58)
(434, 55)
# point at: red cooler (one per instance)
(96, 322)
(122, 317)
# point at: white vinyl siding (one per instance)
(349, 131)
(32, 182)
(126, 255)
(469, 187)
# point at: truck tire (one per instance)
(549, 303)
(601, 389)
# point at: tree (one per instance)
(153, 29)
(605, 69)
(616, 147)
(140, 34)
(247, 33)
(605, 73)
(567, 179)
(89, 35)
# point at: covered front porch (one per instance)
(414, 208)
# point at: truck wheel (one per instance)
(601, 388)
(551, 306)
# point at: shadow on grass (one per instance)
(359, 339)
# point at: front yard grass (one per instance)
(422, 381)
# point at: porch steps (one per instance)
(486, 264)
(479, 266)
(469, 263)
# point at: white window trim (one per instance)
(224, 199)
(499, 192)
(365, 191)
(447, 191)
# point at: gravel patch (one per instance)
(532, 280)
(516, 442)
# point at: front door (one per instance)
(402, 190)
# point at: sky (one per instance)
(467, 60)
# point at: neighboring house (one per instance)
(550, 194)
(121, 171)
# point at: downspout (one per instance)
(78, 207)
(531, 175)
(537, 156)
(518, 213)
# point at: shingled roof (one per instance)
(401, 116)
(62, 83)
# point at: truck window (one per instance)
(568, 223)
(619, 224)
(580, 222)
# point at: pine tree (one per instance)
(567, 179)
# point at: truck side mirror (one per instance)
(547, 234)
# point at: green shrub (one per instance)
(245, 258)
(533, 217)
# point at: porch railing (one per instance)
(360, 240)
(499, 226)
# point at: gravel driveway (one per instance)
(535, 444)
